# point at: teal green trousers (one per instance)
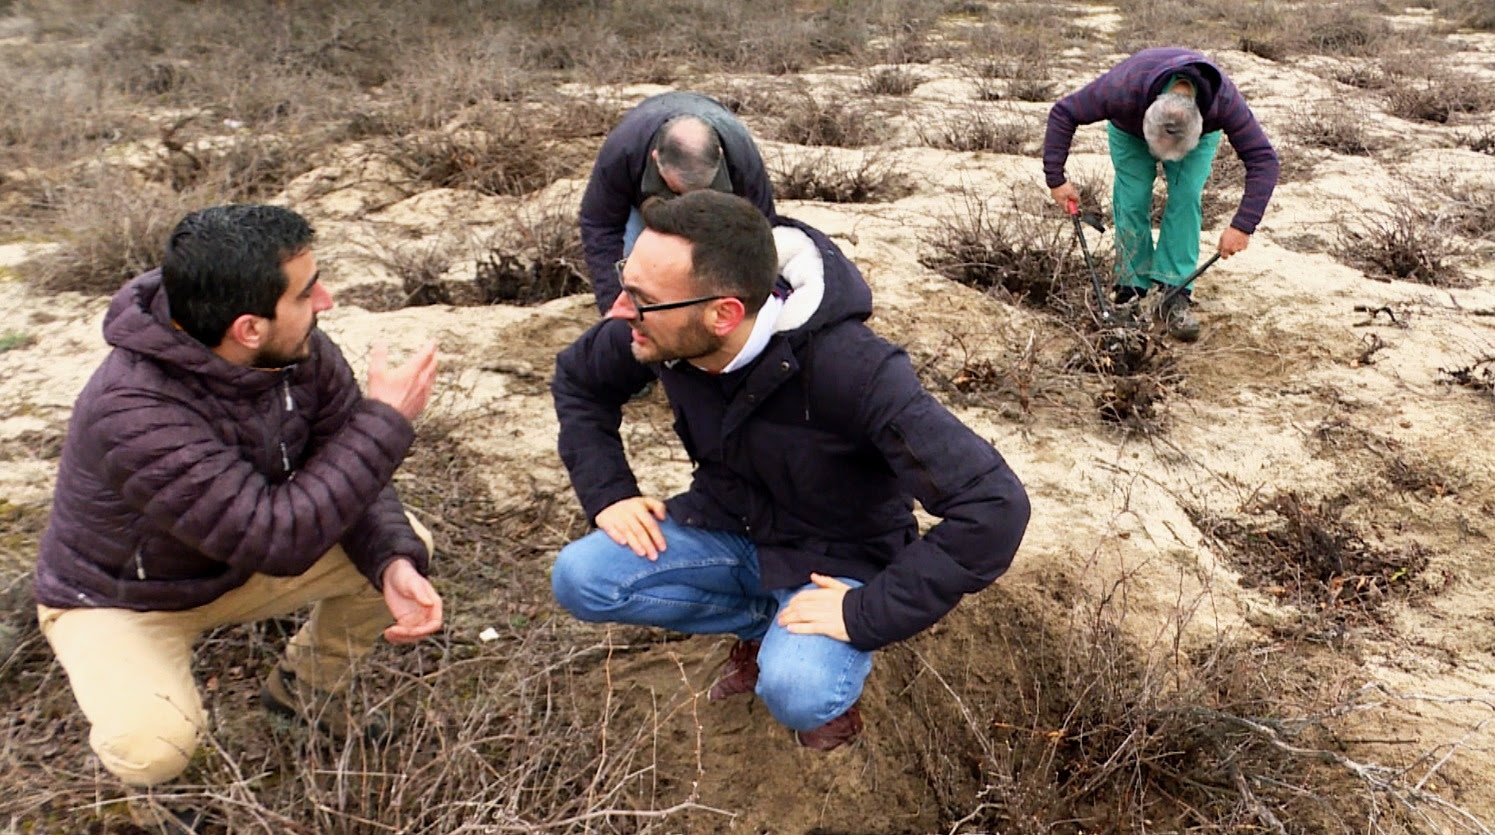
(1138, 263)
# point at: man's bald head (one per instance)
(688, 153)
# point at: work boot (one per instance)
(1125, 294)
(287, 696)
(739, 675)
(1182, 324)
(842, 730)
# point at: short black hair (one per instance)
(225, 261)
(732, 250)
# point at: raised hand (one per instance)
(406, 388)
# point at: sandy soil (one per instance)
(1274, 399)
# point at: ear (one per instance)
(248, 330)
(725, 315)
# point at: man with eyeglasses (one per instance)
(811, 438)
(669, 144)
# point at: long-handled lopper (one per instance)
(1179, 287)
(1107, 313)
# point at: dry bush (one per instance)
(808, 120)
(1078, 726)
(536, 259)
(1467, 14)
(1470, 211)
(977, 130)
(1029, 258)
(111, 228)
(889, 81)
(421, 267)
(1435, 96)
(1331, 125)
(1304, 552)
(1403, 242)
(1481, 139)
(493, 152)
(870, 178)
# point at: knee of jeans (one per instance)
(800, 698)
(578, 584)
(149, 754)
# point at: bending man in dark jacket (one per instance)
(1169, 105)
(811, 438)
(221, 466)
(669, 144)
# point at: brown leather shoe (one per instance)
(842, 730)
(739, 675)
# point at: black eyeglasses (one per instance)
(641, 309)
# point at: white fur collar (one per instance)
(801, 265)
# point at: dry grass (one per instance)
(890, 81)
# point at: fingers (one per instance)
(634, 524)
(826, 582)
(415, 624)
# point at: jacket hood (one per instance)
(139, 321)
(1205, 77)
(827, 287)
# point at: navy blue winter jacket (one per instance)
(816, 455)
(617, 183)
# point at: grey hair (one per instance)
(690, 150)
(1171, 126)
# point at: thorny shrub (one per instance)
(1333, 126)
(828, 120)
(1029, 258)
(889, 81)
(978, 130)
(1402, 242)
(868, 178)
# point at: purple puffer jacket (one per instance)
(183, 474)
(1123, 95)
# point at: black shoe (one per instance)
(1127, 294)
(1182, 324)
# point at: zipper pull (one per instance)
(286, 387)
(285, 457)
(139, 565)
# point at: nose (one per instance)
(321, 298)
(622, 309)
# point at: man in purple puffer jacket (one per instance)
(1165, 105)
(222, 466)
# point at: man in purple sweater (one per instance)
(1165, 105)
(222, 466)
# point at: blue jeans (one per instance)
(706, 583)
(632, 230)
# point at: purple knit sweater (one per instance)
(1122, 96)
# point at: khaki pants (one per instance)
(131, 672)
